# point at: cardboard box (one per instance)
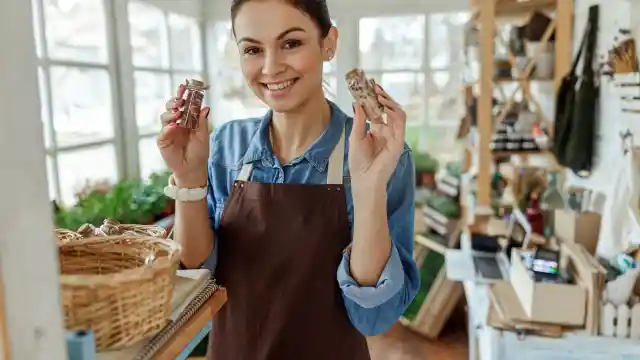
(577, 228)
(550, 303)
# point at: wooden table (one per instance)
(185, 340)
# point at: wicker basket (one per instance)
(64, 236)
(111, 227)
(118, 286)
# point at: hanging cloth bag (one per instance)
(575, 120)
(620, 226)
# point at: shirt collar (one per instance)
(317, 154)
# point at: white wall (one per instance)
(28, 260)
(614, 14)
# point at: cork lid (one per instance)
(196, 84)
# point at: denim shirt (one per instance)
(372, 310)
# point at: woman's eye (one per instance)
(291, 44)
(251, 51)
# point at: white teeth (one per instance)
(279, 86)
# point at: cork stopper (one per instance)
(196, 84)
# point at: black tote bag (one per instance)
(575, 120)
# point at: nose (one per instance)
(273, 63)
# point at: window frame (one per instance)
(120, 69)
(45, 62)
(133, 142)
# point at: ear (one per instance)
(330, 44)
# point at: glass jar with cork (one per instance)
(193, 97)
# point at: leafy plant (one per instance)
(425, 163)
(128, 201)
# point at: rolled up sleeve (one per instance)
(374, 309)
(390, 282)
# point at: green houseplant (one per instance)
(426, 169)
(128, 201)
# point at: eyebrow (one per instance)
(279, 37)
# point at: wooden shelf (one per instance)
(430, 243)
(515, 9)
(487, 15)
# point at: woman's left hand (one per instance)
(374, 153)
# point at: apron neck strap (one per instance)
(336, 162)
(335, 167)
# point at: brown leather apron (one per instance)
(279, 248)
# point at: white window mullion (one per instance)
(49, 98)
(205, 56)
(77, 64)
(128, 129)
(347, 58)
(426, 68)
(167, 29)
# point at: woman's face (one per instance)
(281, 53)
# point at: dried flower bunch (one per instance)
(363, 89)
(623, 58)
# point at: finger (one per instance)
(174, 103)
(359, 123)
(168, 135)
(180, 91)
(381, 92)
(389, 104)
(398, 124)
(169, 117)
(202, 131)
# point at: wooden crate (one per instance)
(429, 312)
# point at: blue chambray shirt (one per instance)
(372, 310)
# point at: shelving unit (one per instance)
(435, 233)
(489, 14)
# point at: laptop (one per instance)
(488, 266)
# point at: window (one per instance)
(103, 88)
(392, 50)
(166, 49)
(86, 128)
(76, 79)
(419, 60)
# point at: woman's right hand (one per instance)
(185, 151)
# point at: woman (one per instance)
(308, 216)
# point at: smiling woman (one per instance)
(285, 59)
(312, 262)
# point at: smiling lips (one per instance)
(280, 86)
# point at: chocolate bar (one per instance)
(363, 89)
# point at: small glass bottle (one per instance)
(193, 97)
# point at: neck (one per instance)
(293, 132)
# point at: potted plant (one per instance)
(128, 201)
(426, 169)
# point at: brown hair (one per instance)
(317, 10)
